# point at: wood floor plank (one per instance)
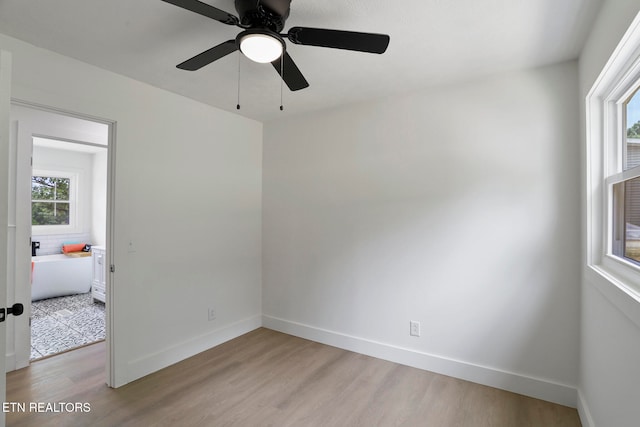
(266, 378)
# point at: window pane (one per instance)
(49, 213)
(62, 188)
(49, 188)
(632, 158)
(41, 188)
(632, 219)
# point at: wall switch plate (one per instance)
(414, 328)
(212, 314)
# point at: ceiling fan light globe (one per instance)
(261, 48)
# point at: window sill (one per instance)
(614, 289)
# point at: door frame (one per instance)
(110, 218)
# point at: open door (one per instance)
(18, 343)
(5, 103)
(18, 328)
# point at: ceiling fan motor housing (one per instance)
(269, 14)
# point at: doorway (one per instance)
(68, 230)
(62, 172)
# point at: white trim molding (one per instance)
(181, 351)
(538, 388)
(583, 411)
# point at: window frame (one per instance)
(605, 145)
(74, 208)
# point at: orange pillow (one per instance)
(76, 247)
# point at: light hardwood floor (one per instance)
(266, 378)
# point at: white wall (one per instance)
(457, 207)
(187, 215)
(610, 334)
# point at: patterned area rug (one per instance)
(63, 323)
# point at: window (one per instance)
(613, 169)
(50, 200)
(53, 201)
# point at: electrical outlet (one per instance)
(414, 328)
(212, 314)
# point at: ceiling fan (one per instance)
(261, 41)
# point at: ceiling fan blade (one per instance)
(208, 56)
(206, 10)
(349, 40)
(292, 75)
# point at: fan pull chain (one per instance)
(239, 58)
(281, 79)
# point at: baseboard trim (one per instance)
(161, 359)
(529, 386)
(583, 411)
(10, 362)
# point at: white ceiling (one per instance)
(432, 42)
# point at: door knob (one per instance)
(16, 309)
